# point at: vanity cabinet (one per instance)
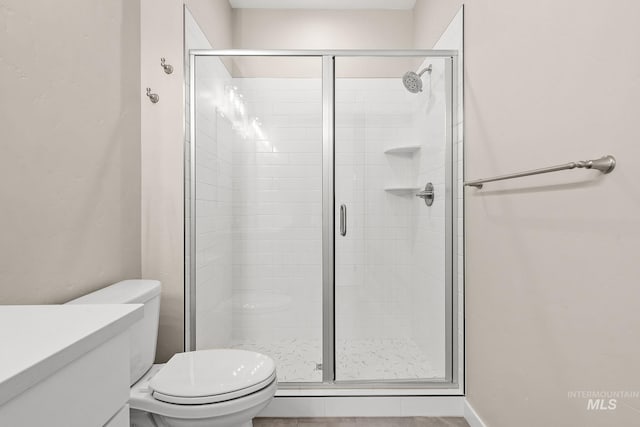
(65, 365)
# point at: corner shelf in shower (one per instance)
(402, 149)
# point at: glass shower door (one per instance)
(392, 256)
(320, 216)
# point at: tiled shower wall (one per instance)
(372, 260)
(214, 195)
(277, 210)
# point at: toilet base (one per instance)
(145, 419)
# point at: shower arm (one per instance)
(429, 69)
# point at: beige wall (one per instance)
(552, 261)
(430, 20)
(70, 157)
(321, 29)
(215, 20)
(162, 151)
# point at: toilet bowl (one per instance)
(216, 388)
(213, 388)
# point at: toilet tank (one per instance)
(144, 333)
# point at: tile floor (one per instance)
(362, 422)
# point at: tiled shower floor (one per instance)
(373, 359)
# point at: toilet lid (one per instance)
(209, 376)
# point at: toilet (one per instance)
(214, 388)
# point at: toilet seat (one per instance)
(211, 376)
(199, 400)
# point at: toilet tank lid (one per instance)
(126, 292)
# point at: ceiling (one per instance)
(323, 4)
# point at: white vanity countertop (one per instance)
(38, 340)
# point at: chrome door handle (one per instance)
(343, 220)
(427, 194)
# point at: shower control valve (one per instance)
(427, 194)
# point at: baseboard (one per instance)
(471, 416)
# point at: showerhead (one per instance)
(413, 81)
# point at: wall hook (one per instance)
(167, 67)
(153, 97)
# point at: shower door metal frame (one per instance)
(328, 218)
(452, 380)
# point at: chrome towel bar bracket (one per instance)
(604, 164)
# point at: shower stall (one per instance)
(323, 214)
